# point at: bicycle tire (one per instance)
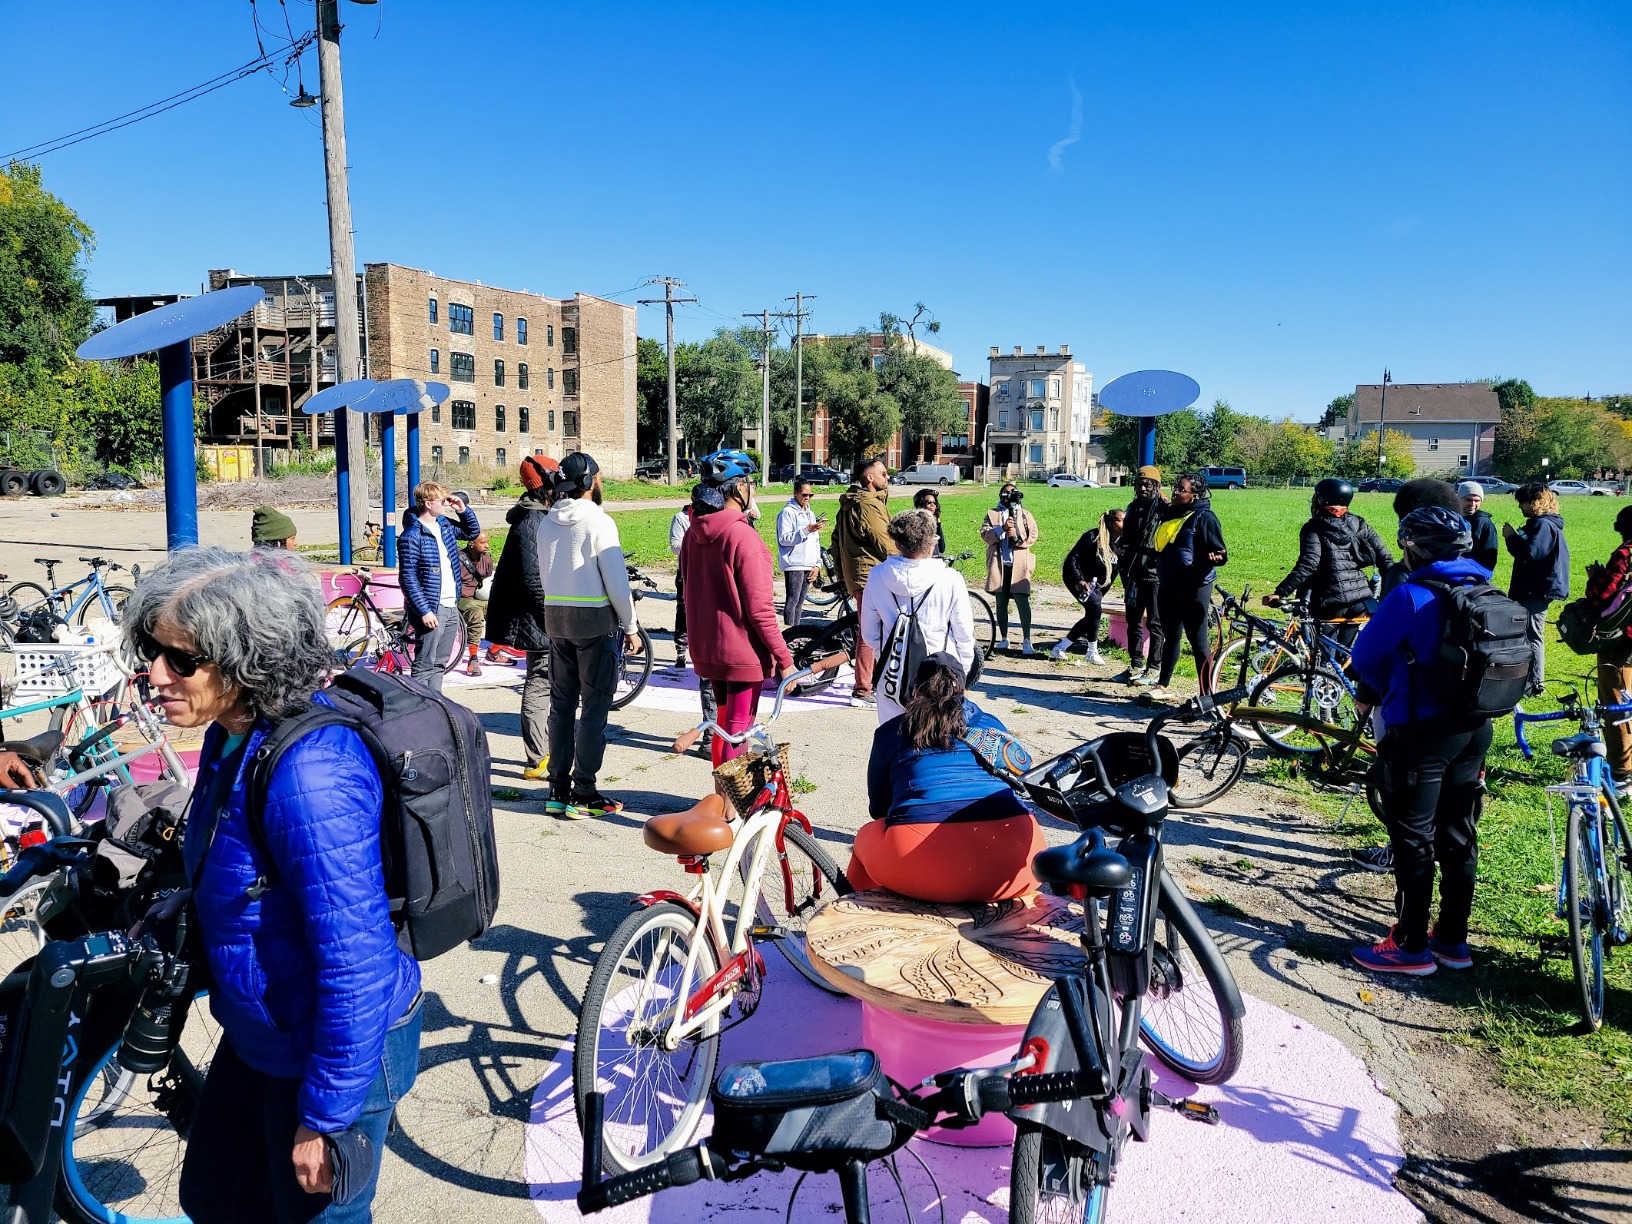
(21, 934)
(985, 623)
(1616, 849)
(810, 643)
(1047, 1176)
(808, 892)
(1584, 912)
(122, 1155)
(1173, 1010)
(1227, 672)
(30, 595)
(1318, 694)
(347, 617)
(1208, 766)
(634, 670)
(629, 1142)
(117, 597)
(825, 576)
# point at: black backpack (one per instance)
(904, 648)
(1483, 663)
(436, 837)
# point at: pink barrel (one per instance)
(383, 587)
(911, 1049)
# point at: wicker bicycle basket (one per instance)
(743, 777)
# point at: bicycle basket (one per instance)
(743, 777)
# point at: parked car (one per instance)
(652, 469)
(929, 473)
(816, 473)
(1225, 477)
(1576, 488)
(1494, 486)
(1381, 484)
(1066, 480)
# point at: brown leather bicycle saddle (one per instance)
(698, 830)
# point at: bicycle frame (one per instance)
(95, 588)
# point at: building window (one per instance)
(1054, 388)
(538, 450)
(461, 319)
(436, 454)
(569, 382)
(1053, 452)
(436, 362)
(549, 378)
(464, 456)
(498, 419)
(521, 372)
(433, 310)
(1002, 418)
(464, 415)
(1002, 389)
(521, 330)
(549, 335)
(1461, 461)
(569, 340)
(498, 457)
(498, 373)
(1035, 451)
(1036, 387)
(524, 419)
(436, 419)
(569, 423)
(462, 367)
(1037, 420)
(1433, 443)
(552, 420)
(498, 326)
(1054, 419)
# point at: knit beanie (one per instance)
(538, 472)
(1151, 472)
(270, 526)
(1470, 488)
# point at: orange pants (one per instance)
(981, 860)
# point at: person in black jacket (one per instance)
(1485, 549)
(515, 610)
(1189, 543)
(1136, 556)
(1089, 571)
(1541, 568)
(1335, 548)
(929, 499)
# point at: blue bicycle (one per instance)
(1593, 893)
(1311, 683)
(83, 598)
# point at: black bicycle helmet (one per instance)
(1436, 533)
(1333, 491)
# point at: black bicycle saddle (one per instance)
(1086, 862)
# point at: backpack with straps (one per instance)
(437, 841)
(1482, 666)
(904, 649)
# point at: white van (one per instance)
(930, 473)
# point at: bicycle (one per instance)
(822, 592)
(97, 596)
(1593, 894)
(980, 606)
(373, 546)
(649, 1027)
(809, 642)
(379, 638)
(1313, 683)
(634, 666)
(1280, 643)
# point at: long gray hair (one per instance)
(256, 615)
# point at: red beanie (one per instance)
(538, 472)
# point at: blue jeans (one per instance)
(238, 1168)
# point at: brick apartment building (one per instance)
(529, 374)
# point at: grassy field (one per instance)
(1520, 1012)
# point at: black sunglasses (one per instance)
(179, 661)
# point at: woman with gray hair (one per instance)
(935, 594)
(320, 1010)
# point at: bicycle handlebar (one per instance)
(686, 739)
(50, 808)
(1572, 712)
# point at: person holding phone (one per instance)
(428, 568)
(798, 548)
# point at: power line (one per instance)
(152, 110)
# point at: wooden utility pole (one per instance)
(668, 301)
(342, 259)
(799, 312)
(764, 317)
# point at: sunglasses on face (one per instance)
(179, 661)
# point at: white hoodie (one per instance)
(586, 582)
(944, 615)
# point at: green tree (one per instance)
(1180, 442)
(925, 390)
(1221, 431)
(1337, 411)
(1356, 459)
(863, 416)
(44, 310)
(716, 389)
(1512, 393)
(1296, 451)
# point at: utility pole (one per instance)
(668, 301)
(1382, 416)
(342, 260)
(799, 312)
(764, 317)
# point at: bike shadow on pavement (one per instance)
(1552, 1184)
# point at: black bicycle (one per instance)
(634, 666)
(812, 641)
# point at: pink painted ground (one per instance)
(1306, 1135)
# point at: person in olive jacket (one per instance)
(861, 539)
(515, 610)
(1541, 567)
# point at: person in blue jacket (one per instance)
(1432, 756)
(319, 1008)
(943, 828)
(1541, 568)
(428, 569)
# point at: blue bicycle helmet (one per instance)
(723, 466)
(1436, 533)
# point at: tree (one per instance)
(1337, 411)
(1220, 434)
(1296, 451)
(1180, 441)
(717, 390)
(1512, 393)
(44, 310)
(862, 416)
(651, 397)
(1356, 459)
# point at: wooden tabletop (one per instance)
(961, 964)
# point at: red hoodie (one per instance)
(730, 618)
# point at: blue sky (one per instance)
(1277, 199)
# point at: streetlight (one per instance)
(1382, 415)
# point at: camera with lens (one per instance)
(155, 1026)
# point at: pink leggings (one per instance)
(739, 707)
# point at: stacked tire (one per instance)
(42, 482)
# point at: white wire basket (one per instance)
(50, 670)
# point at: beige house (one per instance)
(1452, 426)
(1041, 414)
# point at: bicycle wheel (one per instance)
(985, 623)
(21, 935)
(654, 1097)
(111, 604)
(1320, 695)
(363, 651)
(122, 1158)
(1231, 668)
(808, 644)
(816, 880)
(455, 649)
(1585, 911)
(1051, 1179)
(351, 616)
(1208, 766)
(820, 596)
(634, 670)
(1193, 1011)
(30, 595)
(1616, 849)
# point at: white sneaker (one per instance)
(1093, 655)
(1147, 677)
(1160, 693)
(1061, 649)
(1025, 648)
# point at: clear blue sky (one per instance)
(1278, 199)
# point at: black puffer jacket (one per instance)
(1136, 549)
(1333, 554)
(1083, 564)
(515, 611)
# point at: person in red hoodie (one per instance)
(725, 568)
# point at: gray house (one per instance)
(1452, 426)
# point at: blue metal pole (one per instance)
(388, 487)
(342, 486)
(1147, 441)
(413, 452)
(180, 454)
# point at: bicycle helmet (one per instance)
(1436, 533)
(1333, 491)
(724, 466)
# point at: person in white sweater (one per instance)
(798, 548)
(936, 592)
(587, 607)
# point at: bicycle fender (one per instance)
(1076, 1120)
(647, 900)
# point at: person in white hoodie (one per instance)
(936, 593)
(587, 605)
(798, 549)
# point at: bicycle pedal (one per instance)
(762, 933)
(1553, 947)
(1195, 1111)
